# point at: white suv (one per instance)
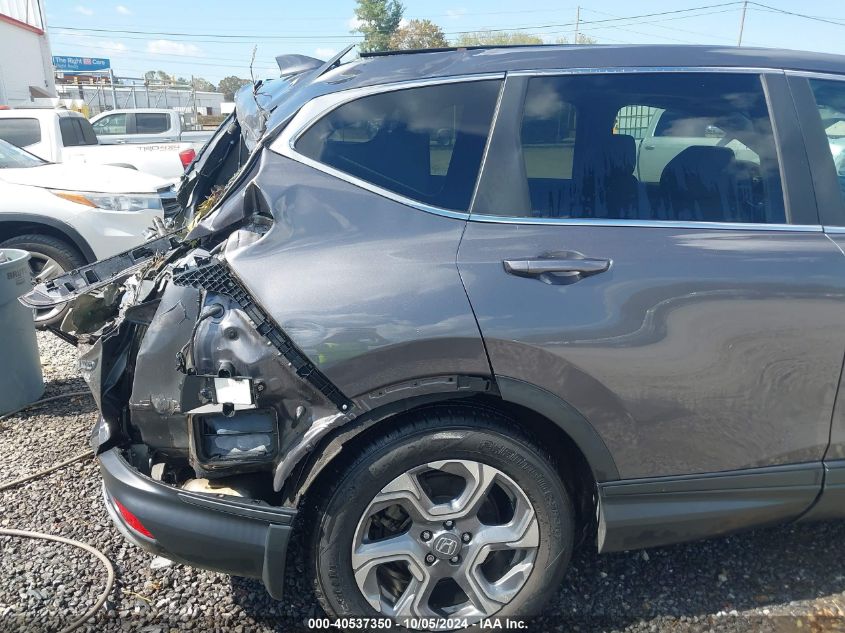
(69, 215)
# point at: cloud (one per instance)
(117, 47)
(83, 10)
(169, 47)
(325, 53)
(403, 23)
(455, 14)
(122, 10)
(353, 23)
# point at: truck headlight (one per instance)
(113, 201)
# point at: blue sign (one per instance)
(80, 64)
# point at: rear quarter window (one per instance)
(20, 131)
(151, 122)
(422, 143)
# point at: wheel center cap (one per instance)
(445, 545)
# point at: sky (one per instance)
(216, 38)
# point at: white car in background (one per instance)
(65, 136)
(69, 215)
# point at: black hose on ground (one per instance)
(60, 539)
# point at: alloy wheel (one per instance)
(44, 268)
(451, 538)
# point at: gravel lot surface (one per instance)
(781, 579)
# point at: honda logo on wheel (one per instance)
(446, 545)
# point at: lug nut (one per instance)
(466, 537)
(426, 535)
(449, 524)
(430, 558)
(455, 560)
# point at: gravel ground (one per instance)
(781, 579)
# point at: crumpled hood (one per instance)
(94, 178)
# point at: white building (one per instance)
(26, 65)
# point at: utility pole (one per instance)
(742, 22)
(577, 22)
(113, 92)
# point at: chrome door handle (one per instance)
(554, 271)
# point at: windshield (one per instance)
(12, 157)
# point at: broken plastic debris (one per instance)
(160, 562)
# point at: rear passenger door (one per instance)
(695, 320)
(820, 100)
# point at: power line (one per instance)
(675, 28)
(268, 37)
(798, 15)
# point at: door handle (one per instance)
(556, 271)
(648, 146)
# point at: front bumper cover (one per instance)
(232, 535)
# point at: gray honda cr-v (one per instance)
(450, 311)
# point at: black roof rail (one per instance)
(446, 49)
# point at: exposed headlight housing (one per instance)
(113, 201)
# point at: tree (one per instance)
(157, 76)
(496, 38)
(418, 34)
(581, 39)
(202, 85)
(230, 85)
(378, 20)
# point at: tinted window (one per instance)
(151, 123)
(76, 131)
(662, 146)
(111, 124)
(20, 132)
(423, 143)
(830, 99)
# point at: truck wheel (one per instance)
(49, 257)
(451, 515)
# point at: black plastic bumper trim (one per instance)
(225, 534)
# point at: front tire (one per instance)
(452, 514)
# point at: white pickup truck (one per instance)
(148, 125)
(64, 136)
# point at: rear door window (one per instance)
(421, 143)
(76, 131)
(20, 132)
(151, 122)
(830, 100)
(650, 146)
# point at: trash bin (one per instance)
(21, 381)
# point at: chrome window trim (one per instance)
(834, 230)
(320, 106)
(815, 75)
(643, 69)
(657, 224)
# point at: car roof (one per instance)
(37, 113)
(390, 67)
(142, 110)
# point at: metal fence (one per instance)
(91, 99)
(634, 120)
